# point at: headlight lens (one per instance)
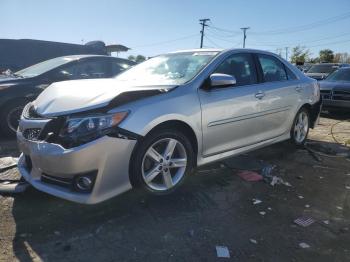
(79, 130)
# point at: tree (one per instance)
(131, 57)
(137, 59)
(326, 55)
(299, 54)
(140, 58)
(341, 58)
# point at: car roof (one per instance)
(220, 50)
(77, 57)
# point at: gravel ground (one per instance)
(213, 208)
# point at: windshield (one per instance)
(169, 69)
(340, 75)
(322, 69)
(43, 67)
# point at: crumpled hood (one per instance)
(81, 95)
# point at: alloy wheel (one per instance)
(301, 127)
(164, 164)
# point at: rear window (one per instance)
(273, 69)
(324, 69)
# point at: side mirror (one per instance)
(222, 80)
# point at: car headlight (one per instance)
(79, 130)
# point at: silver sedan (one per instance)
(90, 140)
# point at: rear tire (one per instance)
(161, 161)
(10, 115)
(300, 128)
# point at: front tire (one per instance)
(10, 116)
(300, 128)
(161, 161)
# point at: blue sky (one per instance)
(154, 26)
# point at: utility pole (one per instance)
(244, 34)
(286, 53)
(203, 23)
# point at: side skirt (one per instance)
(205, 160)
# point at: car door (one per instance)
(228, 113)
(278, 97)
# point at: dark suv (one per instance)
(321, 71)
(17, 89)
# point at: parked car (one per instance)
(17, 89)
(321, 71)
(152, 124)
(335, 90)
(304, 67)
(17, 54)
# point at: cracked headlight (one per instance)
(80, 130)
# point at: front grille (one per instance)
(32, 134)
(341, 95)
(58, 181)
(326, 94)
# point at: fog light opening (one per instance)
(84, 183)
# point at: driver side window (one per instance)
(241, 66)
(85, 70)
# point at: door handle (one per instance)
(298, 88)
(260, 95)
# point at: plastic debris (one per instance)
(339, 208)
(256, 201)
(300, 197)
(347, 187)
(263, 213)
(7, 163)
(307, 206)
(250, 176)
(304, 245)
(253, 241)
(304, 221)
(269, 208)
(326, 222)
(267, 173)
(222, 251)
(9, 187)
(278, 181)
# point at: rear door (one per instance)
(278, 96)
(228, 113)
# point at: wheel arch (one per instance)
(169, 124)
(314, 112)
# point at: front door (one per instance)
(229, 113)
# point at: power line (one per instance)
(306, 26)
(331, 43)
(168, 41)
(211, 41)
(244, 34)
(224, 30)
(203, 23)
(310, 41)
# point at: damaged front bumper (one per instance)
(52, 169)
